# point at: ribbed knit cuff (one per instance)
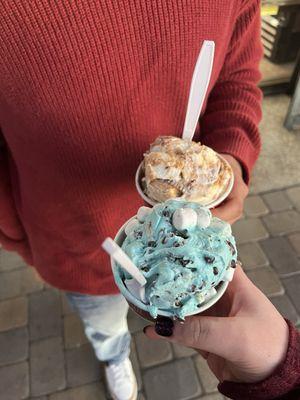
(236, 144)
(284, 379)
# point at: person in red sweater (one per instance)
(250, 348)
(85, 87)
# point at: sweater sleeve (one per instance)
(283, 384)
(230, 122)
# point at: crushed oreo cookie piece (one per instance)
(152, 243)
(177, 244)
(164, 240)
(166, 213)
(184, 262)
(233, 264)
(137, 234)
(171, 258)
(178, 303)
(233, 252)
(215, 270)
(182, 234)
(209, 260)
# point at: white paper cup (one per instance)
(225, 192)
(137, 305)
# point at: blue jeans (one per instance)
(105, 324)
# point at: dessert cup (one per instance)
(222, 195)
(137, 305)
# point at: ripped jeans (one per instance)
(105, 324)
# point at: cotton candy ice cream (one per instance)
(175, 167)
(183, 252)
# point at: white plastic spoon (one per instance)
(136, 285)
(198, 89)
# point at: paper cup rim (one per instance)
(212, 204)
(119, 238)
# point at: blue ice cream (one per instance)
(183, 252)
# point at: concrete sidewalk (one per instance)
(44, 354)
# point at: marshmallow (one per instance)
(229, 275)
(211, 293)
(200, 297)
(131, 226)
(143, 212)
(184, 218)
(203, 218)
(223, 227)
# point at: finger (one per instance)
(207, 334)
(229, 211)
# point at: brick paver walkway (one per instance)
(44, 354)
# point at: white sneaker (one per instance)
(121, 381)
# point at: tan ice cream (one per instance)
(176, 167)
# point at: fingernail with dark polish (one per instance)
(164, 326)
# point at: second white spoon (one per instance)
(198, 89)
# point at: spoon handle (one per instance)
(121, 258)
(198, 89)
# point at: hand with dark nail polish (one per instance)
(217, 333)
(164, 326)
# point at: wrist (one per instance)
(279, 350)
(283, 380)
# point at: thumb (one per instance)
(212, 334)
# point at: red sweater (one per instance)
(85, 87)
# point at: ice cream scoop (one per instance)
(180, 168)
(183, 252)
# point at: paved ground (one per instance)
(278, 165)
(43, 352)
